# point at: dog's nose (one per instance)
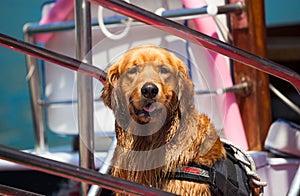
(149, 90)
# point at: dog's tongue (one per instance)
(149, 108)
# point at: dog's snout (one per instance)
(149, 90)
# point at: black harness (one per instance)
(226, 177)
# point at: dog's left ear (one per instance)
(183, 69)
(111, 78)
(185, 88)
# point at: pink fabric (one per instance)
(233, 126)
(61, 11)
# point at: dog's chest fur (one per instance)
(147, 159)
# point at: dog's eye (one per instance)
(164, 70)
(133, 70)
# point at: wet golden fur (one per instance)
(172, 135)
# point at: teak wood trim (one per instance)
(249, 33)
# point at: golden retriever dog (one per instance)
(158, 129)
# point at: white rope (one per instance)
(212, 10)
(30, 72)
(159, 11)
(248, 163)
(105, 30)
(223, 29)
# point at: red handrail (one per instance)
(52, 56)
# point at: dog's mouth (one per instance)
(148, 111)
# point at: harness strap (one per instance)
(231, 173)
(226, 185)
(195, 173)
(203, 174)
(222, 177)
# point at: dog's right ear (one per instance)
(111, 79)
